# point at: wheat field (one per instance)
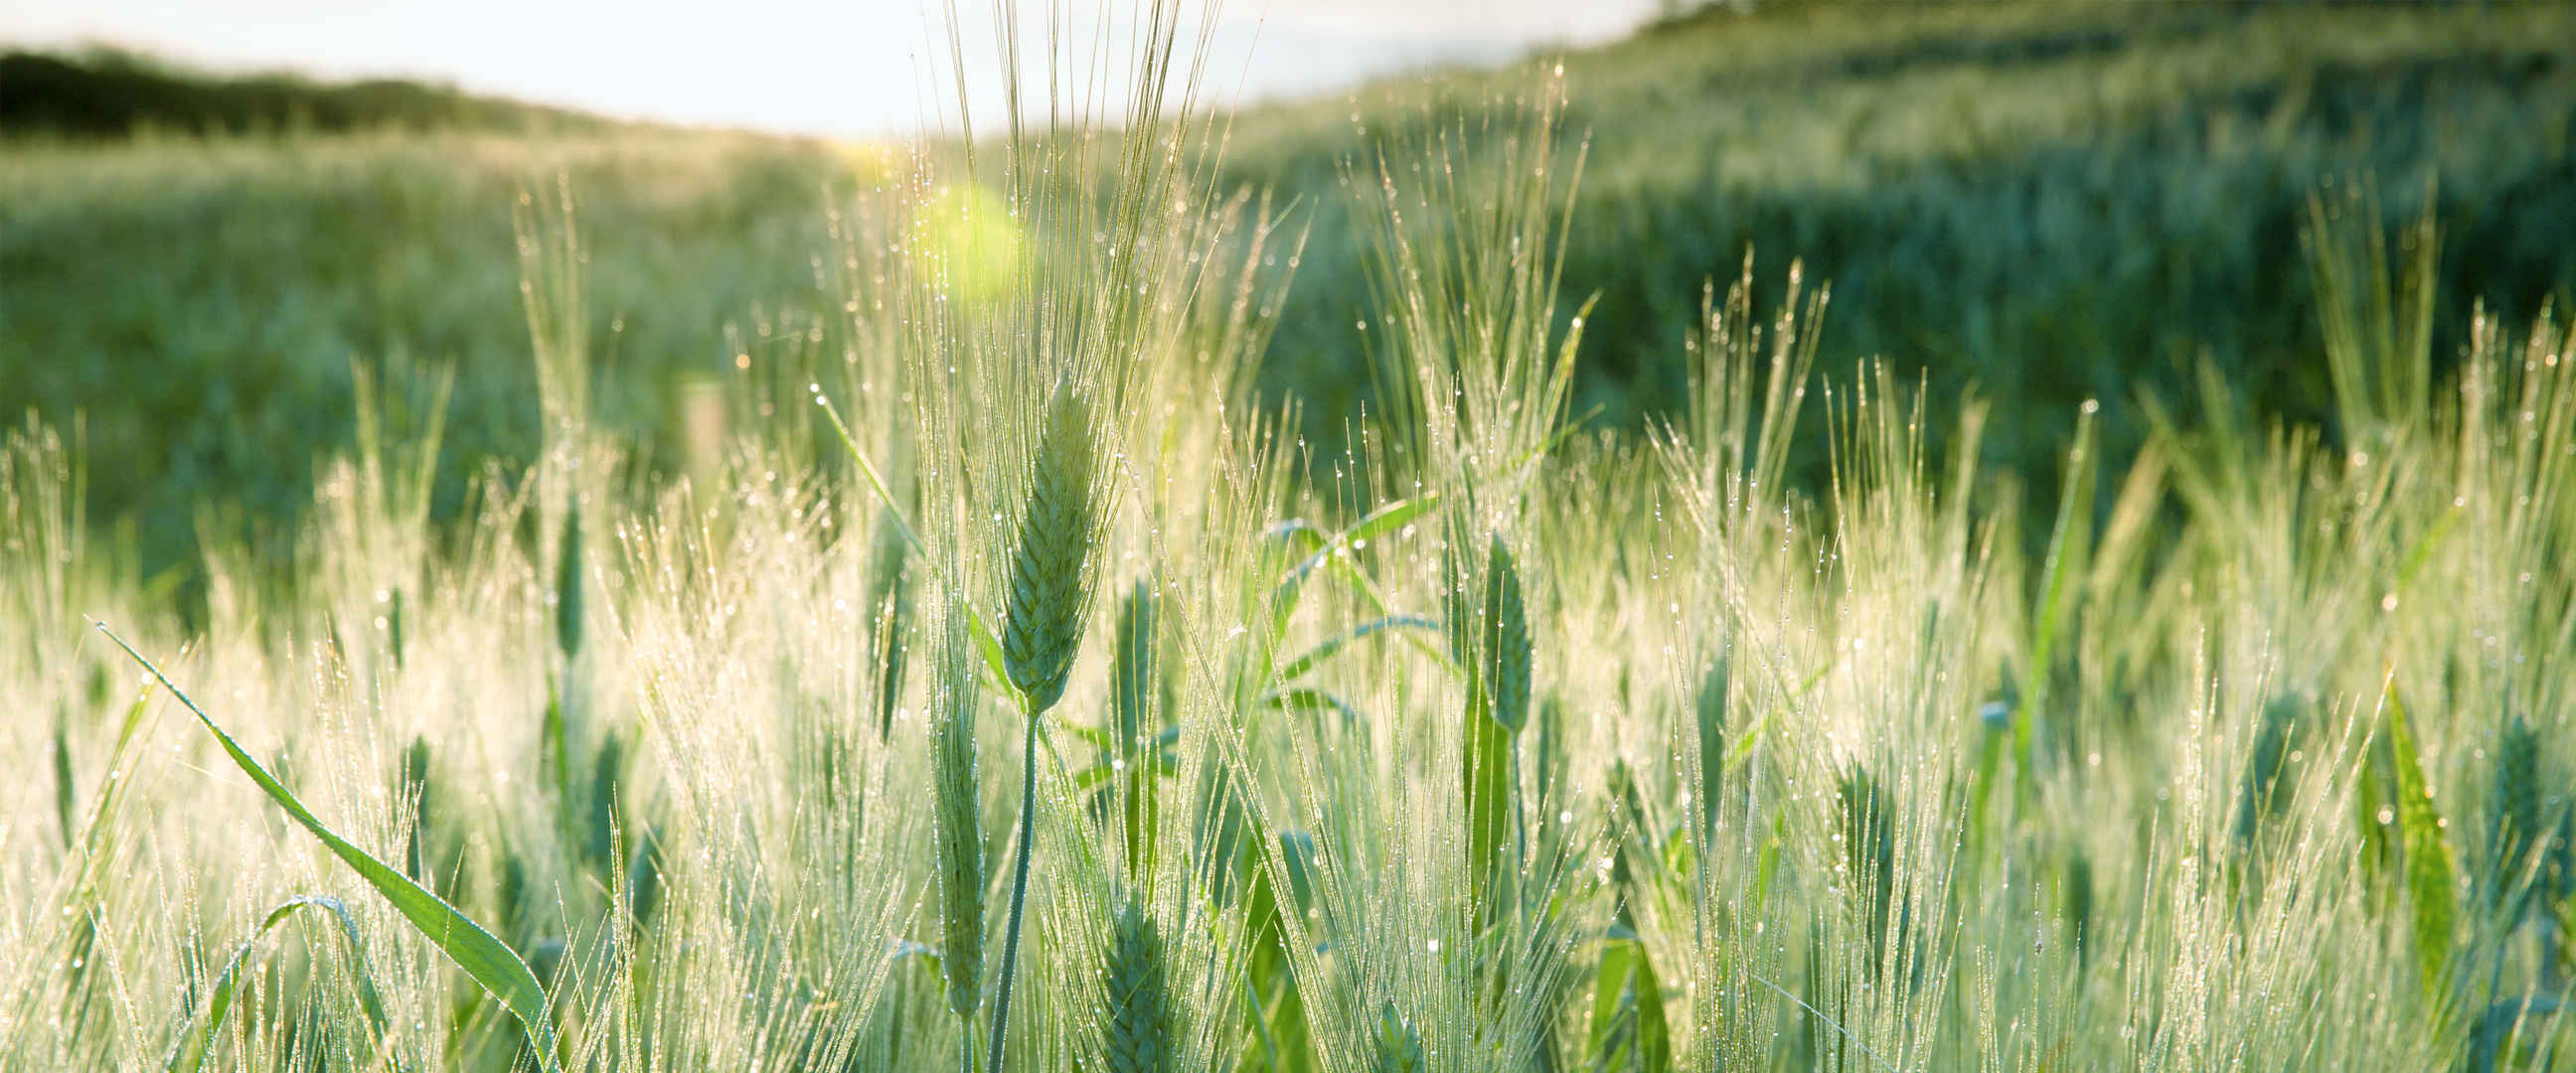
(1000, 684)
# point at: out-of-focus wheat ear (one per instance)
(568, 595)
(890, 594)
(2079, 906)
(607, 774)
(2515, 801)
(1869, 850)
(415, 787)
(958, 820)
(1460, 598)
(2560, 874)
(394, 626)
(644, 874)
(1132, 692)
(2264, 792)
(1142, 1030)
(1050, 582)
(2558, 899)
(66, 794)
(1627, 822)
(1709, 707)
(894, 651)
(1547, 753)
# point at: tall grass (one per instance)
(1491, 742)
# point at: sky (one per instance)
(848, 68)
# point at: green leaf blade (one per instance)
(489, 961)
(2432, 872)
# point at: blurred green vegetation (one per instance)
(2050, 203)
(111, 93)
(199, 304)
(2047, 203)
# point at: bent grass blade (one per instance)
(492, 964)
(190, 1053)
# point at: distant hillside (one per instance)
(107, 93)
(2043, 203)
(2046, 202)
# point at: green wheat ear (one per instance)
(1399, 1047)
(890, 598)
(415, 786)
(958, 819)
(1143, 1024)
(599, 830)
(1869, 847)
(2265, 793)
(2079, 906)
(394, 627)
(1710, 710)
(1050, 588)
(65, 793)
(1049, 583)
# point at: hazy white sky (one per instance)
(831, 67)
